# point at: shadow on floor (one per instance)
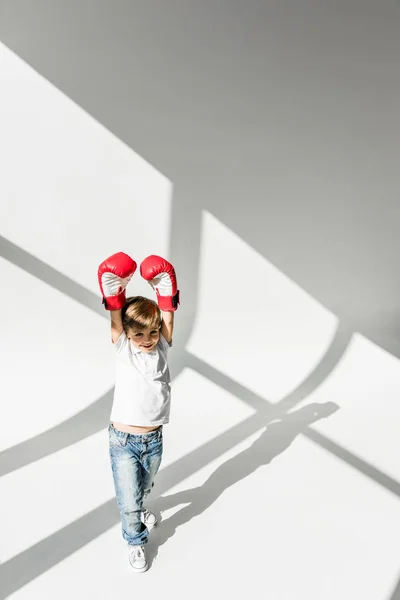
(274, 440)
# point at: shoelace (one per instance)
(138, 552)
(146, 514)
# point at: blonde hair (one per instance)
(140, 312)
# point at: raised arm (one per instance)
(116, 325)
(114, 274)
(160, 274)
(167, 326)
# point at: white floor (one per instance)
(276, 481)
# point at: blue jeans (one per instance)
(135, 460)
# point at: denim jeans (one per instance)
(135, 460)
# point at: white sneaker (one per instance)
(148, 518)
(137, 558)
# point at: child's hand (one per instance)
(114, 275)
(161, 276)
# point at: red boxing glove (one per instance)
(161, 276)
(114, 275)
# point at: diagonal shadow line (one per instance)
(224, 381)
(29, 564)
(324, 368)
(395, 595)
(354, 461)
(86, 422)
(329, 362)
(39, 269)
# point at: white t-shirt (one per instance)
(142, 394)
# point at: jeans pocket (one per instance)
(116, 439)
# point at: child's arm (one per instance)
(167, 326)
(116, 325)
(161, 276)
(114, 274)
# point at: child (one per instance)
(142, 333)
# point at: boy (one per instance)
(142, 333)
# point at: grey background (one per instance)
(281, 118)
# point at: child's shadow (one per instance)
(275, 439)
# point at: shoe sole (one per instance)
(142, 570)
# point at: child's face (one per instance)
(144, 338)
